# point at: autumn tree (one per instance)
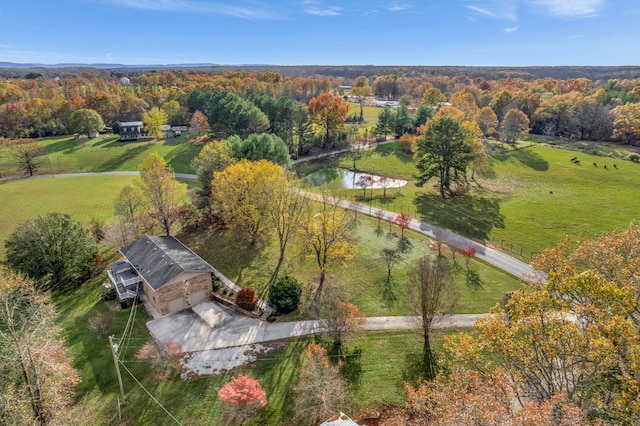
(361, 90)
(433, 97)
(54, 250)
(286, 212)
(341, 321)
(327, 233)
(244, 396)
(328, 112)
(626, 123)
(213, 157)
(199, 124)
(163, 358)
(487, 121)
(128, 205)
(174, 112)
(154, 121)
(38, 378)
(243, 195)
(432, 294)
(467, 397)
(466, 103)
(515, 122)
(443, 154)
(320, 392)
(159, 188)
(25, 153)
(575, 335)
(85, 121)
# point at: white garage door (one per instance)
(198, 296)
(176, 305)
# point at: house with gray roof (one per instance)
(171, 276)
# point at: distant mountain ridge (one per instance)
(11, 69)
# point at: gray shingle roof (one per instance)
(160, 259)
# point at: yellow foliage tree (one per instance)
(159, 186)
(327, 233)
(243, 195)
(154, 120)
(577, 335)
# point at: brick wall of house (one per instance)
(177, 288)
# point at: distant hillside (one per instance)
(594, 73)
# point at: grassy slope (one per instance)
(80, 197)
(65, 155)
(362, 279)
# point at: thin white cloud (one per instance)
(198, 6)
(510, 29)
(481, 11)
(326, 11)
(397, 8)
(502, 10)
(570, 8)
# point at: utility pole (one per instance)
(114, 352)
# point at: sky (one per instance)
(322, 32)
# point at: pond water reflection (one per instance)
(349, 180)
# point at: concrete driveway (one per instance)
(215, 338)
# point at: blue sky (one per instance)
(322, 32)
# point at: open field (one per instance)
(536, 185)
(80, 197)
(66, 155)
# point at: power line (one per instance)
(149, 393)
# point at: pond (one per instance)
(348, 179)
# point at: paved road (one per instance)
(491, 256)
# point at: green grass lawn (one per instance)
(80, 197)
(536, 185)
(362, 280)
(66, 155)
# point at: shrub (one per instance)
(108, 293)
(246, 298)
(407, 143)
(216, 284)
(284, 295)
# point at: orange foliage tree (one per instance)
(328, 112)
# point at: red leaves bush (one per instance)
(246, 298)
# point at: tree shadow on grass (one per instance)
(278, 375)
(180, 158)
(63, 145)
(531, 159)
(231, 256)
(114, 163)
(393, 149)
(472, 216)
